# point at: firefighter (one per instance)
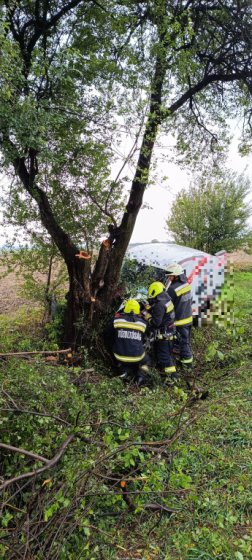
(125, 334)
(160, 316)
(180, 293)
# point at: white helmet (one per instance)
(175, 269)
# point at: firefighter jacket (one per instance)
(127, 331)
(162, 312)
(180, 293)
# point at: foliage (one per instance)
(201, 472)
(212, 215)
(55, 327)
(46, 107)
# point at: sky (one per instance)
(151, 223)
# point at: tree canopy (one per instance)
(212, 215)
(76, 75)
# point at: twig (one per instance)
(156, 507)
(86, 371)
(7, 394)
(95, 528)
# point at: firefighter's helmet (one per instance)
(155, 289)
(175, 269)
(132, 306)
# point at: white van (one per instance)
(205, 273)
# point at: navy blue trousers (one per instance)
(185, 354)
(163, 355)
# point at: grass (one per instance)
(203, 471)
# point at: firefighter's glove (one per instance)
(146, 316)
(144, 305)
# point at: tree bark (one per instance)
(123, 234)
(79, 269)
(78, 300)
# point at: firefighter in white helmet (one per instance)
(124, 335)
(180, 293)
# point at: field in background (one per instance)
(10, 287)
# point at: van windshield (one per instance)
(138, 276)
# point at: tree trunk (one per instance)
(78, 301)
(79, 269)
(123, 234)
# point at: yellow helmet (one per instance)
(132, 306)
(155, 289)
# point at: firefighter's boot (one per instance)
(173, 379)
(141, 376)
(125, 376)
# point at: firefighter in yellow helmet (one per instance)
(125, 332)
(160, 316)
(180, 293)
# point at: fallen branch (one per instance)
(48, 465)
(21, 411)
(24, 452)
(77, 379)
(152, 507)
(158, 507)
(37, 352)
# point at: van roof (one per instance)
(161, 255)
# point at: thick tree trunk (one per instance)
(78, 301)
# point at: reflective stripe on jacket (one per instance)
(129, 329)
(180, 293)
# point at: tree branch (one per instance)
(218, 77)
(24, 452)
(32, 412)
(49, 464)
(37, 352)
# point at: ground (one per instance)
(132, 449)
